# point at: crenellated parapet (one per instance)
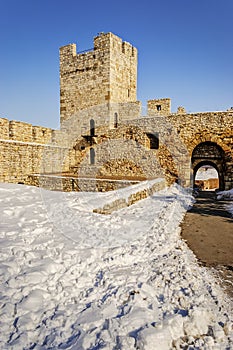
(103, 75)
(13, 130)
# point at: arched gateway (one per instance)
(209, 153)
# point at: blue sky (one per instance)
(185, 51)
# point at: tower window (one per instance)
(92, 127)
(115, 120)
(159, 107)
(154, 140)
(92, 156)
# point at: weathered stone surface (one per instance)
(134, 197)
(68, 183)
(103, 135)
(106, 74)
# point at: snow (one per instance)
(73, 279)
(226, 195)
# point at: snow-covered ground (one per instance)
(227, 195)
(72, 279)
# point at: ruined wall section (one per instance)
(171, 154)
(121, 153)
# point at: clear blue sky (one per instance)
(185, 51)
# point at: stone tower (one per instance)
(105, 75)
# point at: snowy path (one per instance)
(72, 279)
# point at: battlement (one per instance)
(104, 42)
(103, 75)
(27, 133)
(108, 41)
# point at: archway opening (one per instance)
(208, 155)
(206, 178)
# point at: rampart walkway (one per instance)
(208, 230)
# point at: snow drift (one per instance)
(73, 279)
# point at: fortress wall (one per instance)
(18, 160)
(20, 131)
(200, 127)
(27, 149)
(25, 132)
(103, 116)
(213, 126)
(125, 111)
(4, 128)
(60, 138)
(41, 134)
(191, 129)
(181, 133)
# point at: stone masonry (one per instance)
(103, 76)
(103, 135)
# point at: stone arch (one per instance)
(209, 153)
(198, 139)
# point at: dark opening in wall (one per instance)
(115, 120)
(159, 107)
(92, 156)
(92, 127)
(154, 140)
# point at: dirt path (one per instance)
(208, 230)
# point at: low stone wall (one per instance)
(136, 194)
(68, 184)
